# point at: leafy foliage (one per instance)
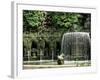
(45, 26)
(42, 21)
(33, 20)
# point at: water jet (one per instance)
(76, 46)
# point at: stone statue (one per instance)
(60, 59)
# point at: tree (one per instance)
(33, 20)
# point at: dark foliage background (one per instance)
(43, 27)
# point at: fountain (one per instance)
(76, 46)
